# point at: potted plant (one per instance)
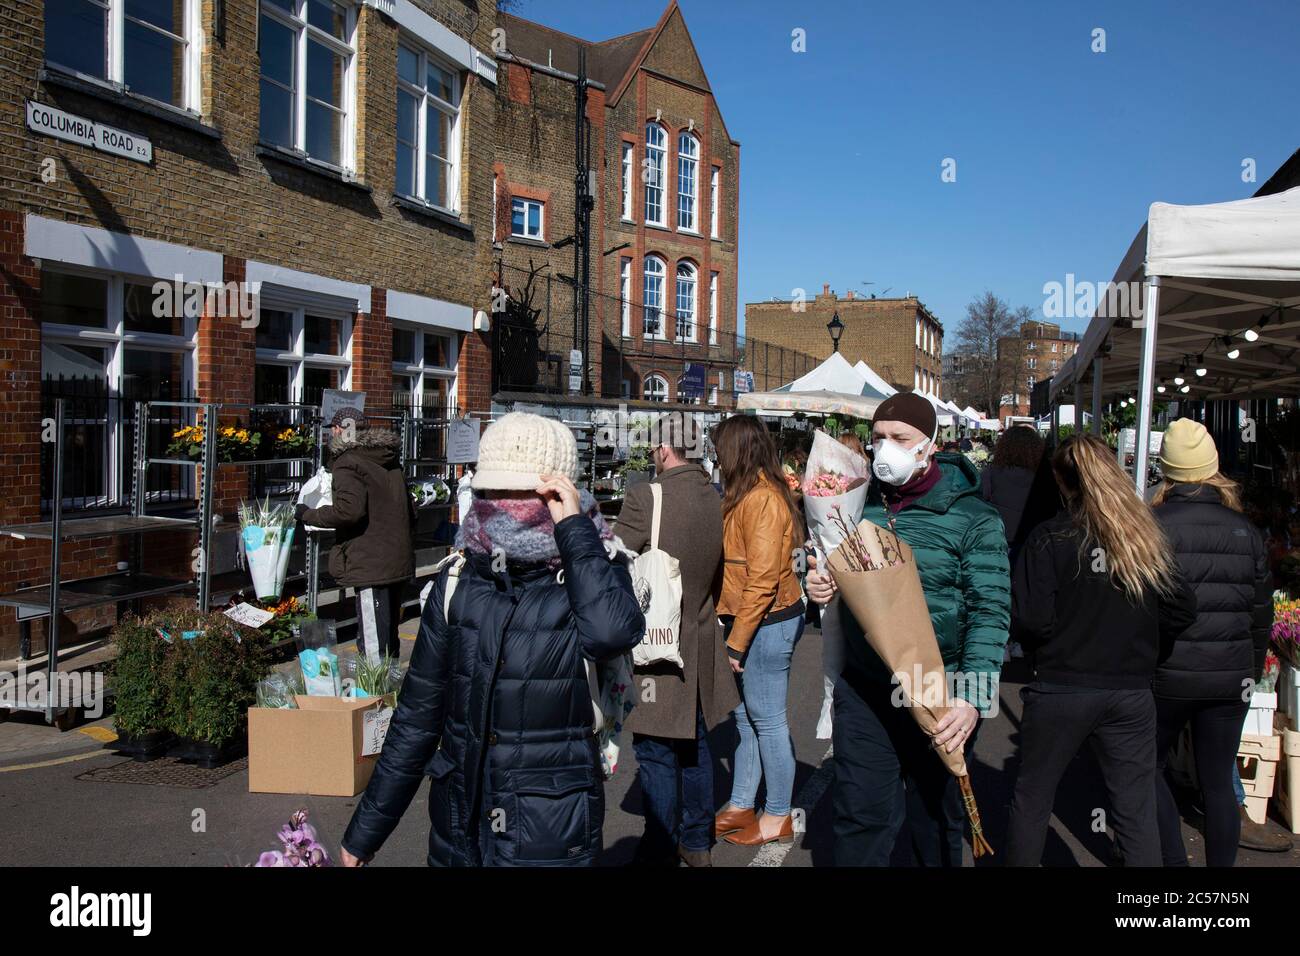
(291, 441)
(234, 443)
(211, 681)
(140, 699)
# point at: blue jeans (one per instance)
(1237, 788)
(765, 750)
(670, 822)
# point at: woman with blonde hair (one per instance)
(1206, 678)
(762, 606)
(1095, 593)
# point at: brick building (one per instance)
(665, 174)
(1037, 354)
(336, 156)
(899, 338)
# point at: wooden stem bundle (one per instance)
(979, 846)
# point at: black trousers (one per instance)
(379, 611)
(894, 802)
(1121, 727)
(1216, 738)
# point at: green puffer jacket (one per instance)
(961, 553)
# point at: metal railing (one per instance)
(533, 338)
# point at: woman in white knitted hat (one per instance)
(1206, 677)
(496, 708)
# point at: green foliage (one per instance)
(136, 677)
(199, 688)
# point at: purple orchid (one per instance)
(299, 845)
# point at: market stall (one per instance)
(1202, 307)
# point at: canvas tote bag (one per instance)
(657, 577)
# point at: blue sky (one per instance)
(1059, 150)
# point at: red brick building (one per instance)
(664, 229)
(899, 338)
(1037, 354)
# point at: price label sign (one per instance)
(248, 615)
(374, 729)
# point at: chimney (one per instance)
(826, 288)
(849, 295)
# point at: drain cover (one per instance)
(165, 772)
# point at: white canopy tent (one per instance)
(1214, 280)
(836, 375)
(873, 379)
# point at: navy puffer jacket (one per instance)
(1223, 558)
(497, 711)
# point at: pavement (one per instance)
(54, 816)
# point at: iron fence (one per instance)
(533, 337)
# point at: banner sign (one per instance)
(693, 379)
(744, 381)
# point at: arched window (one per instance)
(656, 162)
(655, 389)
(686, 296)
(688, 181)
(652, 298)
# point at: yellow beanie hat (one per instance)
(1187, 452)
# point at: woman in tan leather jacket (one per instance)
(762, 604)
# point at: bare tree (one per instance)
(987, 375)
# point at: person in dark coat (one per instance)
(497, 707)
(1207, 676)
(1009, 477)
(374, 517)
(1095, 593)
(669, 725)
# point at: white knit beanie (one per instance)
(518, 448)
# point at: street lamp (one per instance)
(836, 328)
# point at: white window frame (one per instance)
(115, 339)
(656, 178)
(427, 100)
(715, 200)
(303, 31)
(191, 36)
(661, 274)
(651, 394)
(686, 308)
(297, 359)
(713, 308)
(625, 296)
(688, 182)
(422, 373)
(627, 160)
(541, 218)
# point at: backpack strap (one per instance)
(454, 564)
(657, 493)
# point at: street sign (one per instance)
(575, 359)
(575, 382)
(49, 121)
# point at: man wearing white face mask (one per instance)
(893, 799)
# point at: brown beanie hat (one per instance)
(911, 408)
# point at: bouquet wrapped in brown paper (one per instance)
(877, 579)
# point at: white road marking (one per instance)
(774, 854)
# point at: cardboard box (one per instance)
(1288, 790)
(315, 749)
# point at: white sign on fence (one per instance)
(49, 121)
(462, 441)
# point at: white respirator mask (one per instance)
(895, 465)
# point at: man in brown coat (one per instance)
(676, 707)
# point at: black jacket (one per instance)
(372, 511)
(1007, 489)
(496, 709)
(1077, 625)
(1223, 556)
